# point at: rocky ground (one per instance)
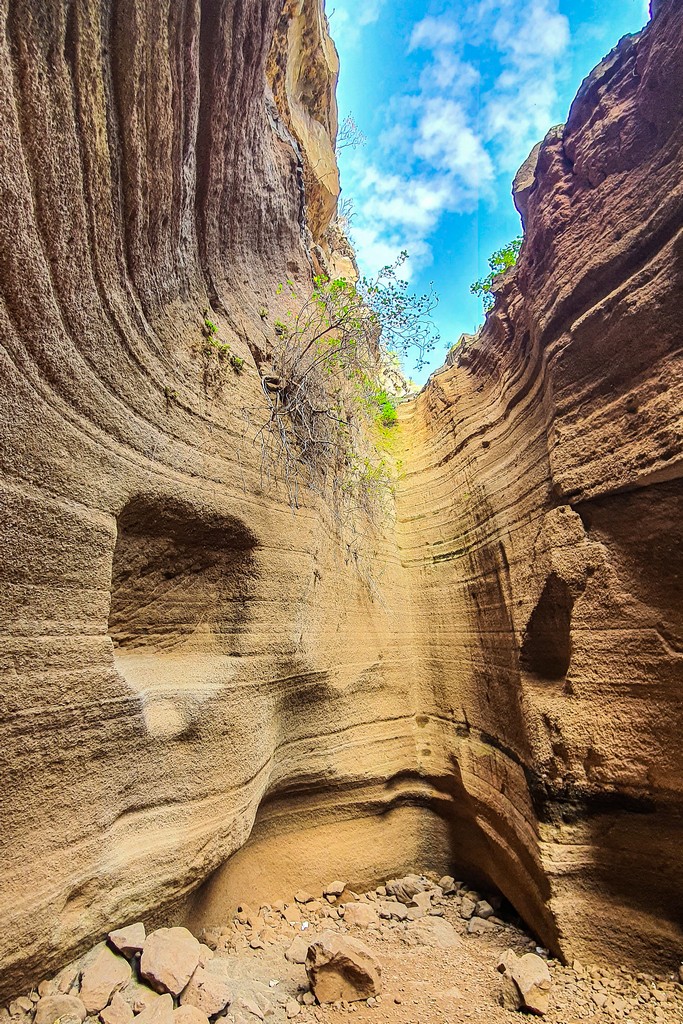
(426, 951)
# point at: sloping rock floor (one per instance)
(438, 943)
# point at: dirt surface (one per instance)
(424, 984)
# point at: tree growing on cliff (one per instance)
(331, 387)
(500, 261)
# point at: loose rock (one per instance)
(128, 940)
(118, 1011)
(169, 959)
(106, 974)
(531, 976)
(208, 989)
(340, 967)
(51, 1008)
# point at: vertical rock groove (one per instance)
(187, 667)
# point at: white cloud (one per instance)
(431, 33)
(349, 27)
(460, 125)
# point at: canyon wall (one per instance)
(177, 644)
(541, 519)
(188, 662)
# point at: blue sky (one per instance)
(452, 95)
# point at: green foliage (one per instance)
(210, 328)
(331, 392)
(499, 262)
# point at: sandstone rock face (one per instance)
(339, 967)
(541, 516)
(186, 663)
(176, 644)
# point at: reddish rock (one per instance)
(158, 1012)
(169, 959)
(128, 940)
(189, 1015)
(339, 967)
(104, 976)
(118, 1011)
(208, 989)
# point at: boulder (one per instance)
(103, 976)
(51, 1008)
(118, 1011)
(128, 940)
(532, 978)
(169, 959)
(158, 1012)
(208, 989)
(360, 915)
(339, 967)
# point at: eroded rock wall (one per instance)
(182, 653)
(176, 643)
(540, 517)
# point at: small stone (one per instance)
(423, 900)
(414, 913)
(359, 915)
(340, 967)
(303, 897)
(334, 889)
(447, 884)
(371, 1001)
(104, 976)
(47, 988)
(478, 926)
(118, 1011)
(128, 940)
(292, 1009)
(169, 959)
(292, 914)
(51, 1008)
(24, 1003)
(467, 908)
(391, 909)
(308, 999)
(138, 996)
(296, 954)
(484, 909)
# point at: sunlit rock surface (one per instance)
(181, 654)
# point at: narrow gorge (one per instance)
(204, 701)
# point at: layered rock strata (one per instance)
(180, 651)
(540, 518)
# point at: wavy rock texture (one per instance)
(180, 652)
(541, 521)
